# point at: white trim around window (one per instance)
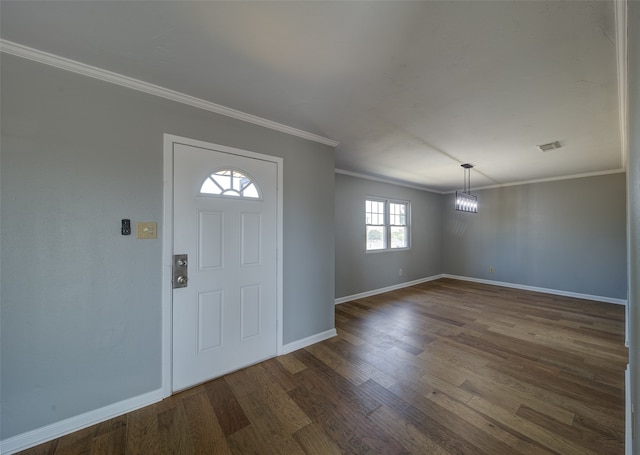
(387, 224)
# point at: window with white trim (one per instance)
(387, 224)
(230, 182)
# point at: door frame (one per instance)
(167, 245)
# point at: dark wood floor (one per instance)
(445, 367)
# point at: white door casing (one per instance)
(227, 316)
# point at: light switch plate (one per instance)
(147, 230)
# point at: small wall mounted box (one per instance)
(147, 230)
(125, 227)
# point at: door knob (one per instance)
(180, 272)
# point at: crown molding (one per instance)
(548, 179)
(386, 180)
(488, 187)
(18, 50)
(622, 65)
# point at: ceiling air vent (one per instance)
(549, 146)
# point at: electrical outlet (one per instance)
(400, 272)
(491, 269)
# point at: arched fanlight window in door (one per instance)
(230, 182)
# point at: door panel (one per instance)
(250, 311)
(250, 239)
(210, 240)
(209, 320)
(226, 316)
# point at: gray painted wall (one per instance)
(567, 235)
(358, 271)
(633, 193)
(81, 304)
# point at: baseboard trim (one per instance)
(55, 430)
(303, 343)
(362, 295)
(628, 432)
(523, 287)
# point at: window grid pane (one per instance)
(228, 182)
(374, 212)
(398, 214)
(376, 238)
(399, 237)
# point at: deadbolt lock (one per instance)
(180, 272)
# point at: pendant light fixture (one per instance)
(465, 201)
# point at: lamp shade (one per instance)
(466, 202)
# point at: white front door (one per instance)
(225, 221)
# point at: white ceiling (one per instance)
(410, 90)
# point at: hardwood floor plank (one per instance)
(341, 429)
(601, 429)
(611, 385)
(248, 441)
(478, 420)
(577, 434)
(314, 441)
(78, 442)
(613, 378)
(503, 388)
(511, 397)
(204, 429)
(279, 404)
(449, 372)
(173, 430)
(435, 383)
(443, 351)
(291, 364)
(344, 335)
(279, 375)
(239, 383)
(550, 439)
(380, 339)
(560, 386)
(230, 415)
(347, 370)
(348, 351)
(142, 431)
(272, 436)
(438, 424)
(106, 437)
(328, 398)
(110, 443)
(382, 361)
(338, 390)
(406, 434)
